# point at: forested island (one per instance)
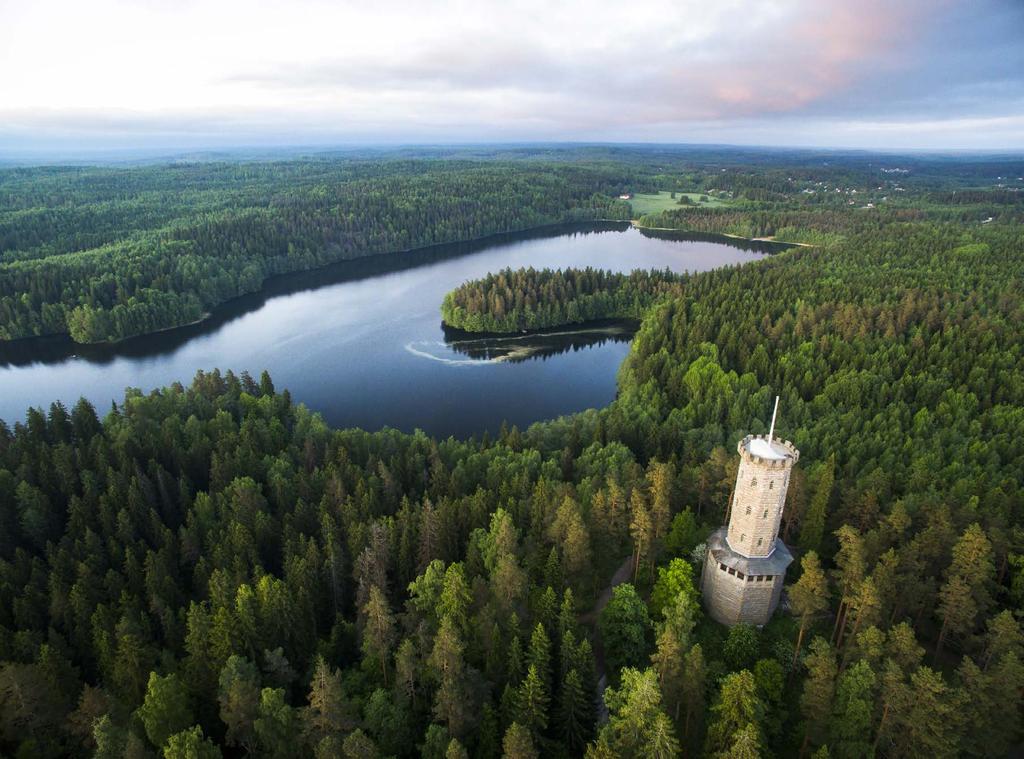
(528, 299)
(209, 570)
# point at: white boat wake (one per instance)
(411, 347)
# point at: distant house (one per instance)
(625, 196)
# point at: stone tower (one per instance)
(746, 560)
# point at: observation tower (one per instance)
(746, 560)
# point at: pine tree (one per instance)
(992, 705)
(406, 672)
(865, 607)
(849, 574)
(850, 726)
(518, 744)
(239, 699)
(1004, 636)
(358, 745)
(812, 531)
(736, 708)
(957, 610)
(693, 694)
(532, 702)
(166, 709)
(538, 655)
(379, 632)
(808, 596)
(190, 744)
(329, 713)
(668, 661)
(640, 529)
(637, 724)
(276, 725)
(447, 664)
(895, 697)
(456, 750)
(966, 593)
(660, 475)
(930, 724)
(746, 744)
(575, 715)
(819, 688)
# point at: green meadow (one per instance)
(644, 204)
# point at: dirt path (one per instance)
(622, 574)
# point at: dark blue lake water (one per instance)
(361, 342)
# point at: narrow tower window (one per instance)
(771, 484)
(753, 483)
(765, 515)
(748, 508)
(760, 541)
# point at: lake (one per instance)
(362, 343)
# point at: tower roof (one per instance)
(771, 452)
(774, 563)
(759, 446)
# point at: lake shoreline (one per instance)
(268, 281)
(588, 325)
(772, 240)
(338, 338)
(265, 286)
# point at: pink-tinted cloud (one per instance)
(520, 69)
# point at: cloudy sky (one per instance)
(207, 73)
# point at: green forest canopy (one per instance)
(525, 299)
(210, 568)
(103, 254)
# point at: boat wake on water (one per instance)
(420, 348)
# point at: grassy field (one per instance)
(663, 201)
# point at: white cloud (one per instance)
(393, 70)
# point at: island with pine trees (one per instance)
(531, 299)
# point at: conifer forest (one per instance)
(209, 569)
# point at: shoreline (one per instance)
(213, 312)
(206, 315)
(637, 225)
(274, 277)
(607, 324)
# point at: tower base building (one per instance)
(746, 560)
(741, 589)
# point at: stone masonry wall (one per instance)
(731, 600)
(757, 504)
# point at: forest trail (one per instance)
(621, 575)
(589, 619)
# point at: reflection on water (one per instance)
(753, 246)
(352, 340)
(483, 349)
(54, 349)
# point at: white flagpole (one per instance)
(771, 430)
